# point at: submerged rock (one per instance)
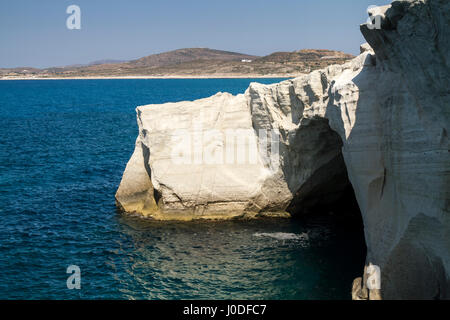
(381, 120)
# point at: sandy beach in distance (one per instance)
(247, 76)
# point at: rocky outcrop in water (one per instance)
(381, 120)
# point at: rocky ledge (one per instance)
(381, 120)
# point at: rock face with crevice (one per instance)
(379, 121)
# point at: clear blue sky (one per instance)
(34, 33)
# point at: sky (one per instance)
(34, 33)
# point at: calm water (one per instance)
(63, 147)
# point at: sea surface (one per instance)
(63, 147)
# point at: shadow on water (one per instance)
(304, 258)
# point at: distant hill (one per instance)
(105, 61)
(306, 55)
(194, 62)
(189, 55)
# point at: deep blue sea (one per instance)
(63, 147)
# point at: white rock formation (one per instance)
(187, 159)
(381, 118)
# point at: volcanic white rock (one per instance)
(382, 119)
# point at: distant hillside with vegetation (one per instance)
(193, 62)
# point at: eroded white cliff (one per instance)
(382, 119)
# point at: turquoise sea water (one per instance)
(63, 147)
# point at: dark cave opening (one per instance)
(326, 188)
(345, 246)
(326, 196)
(341, 211)
(343, 206)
